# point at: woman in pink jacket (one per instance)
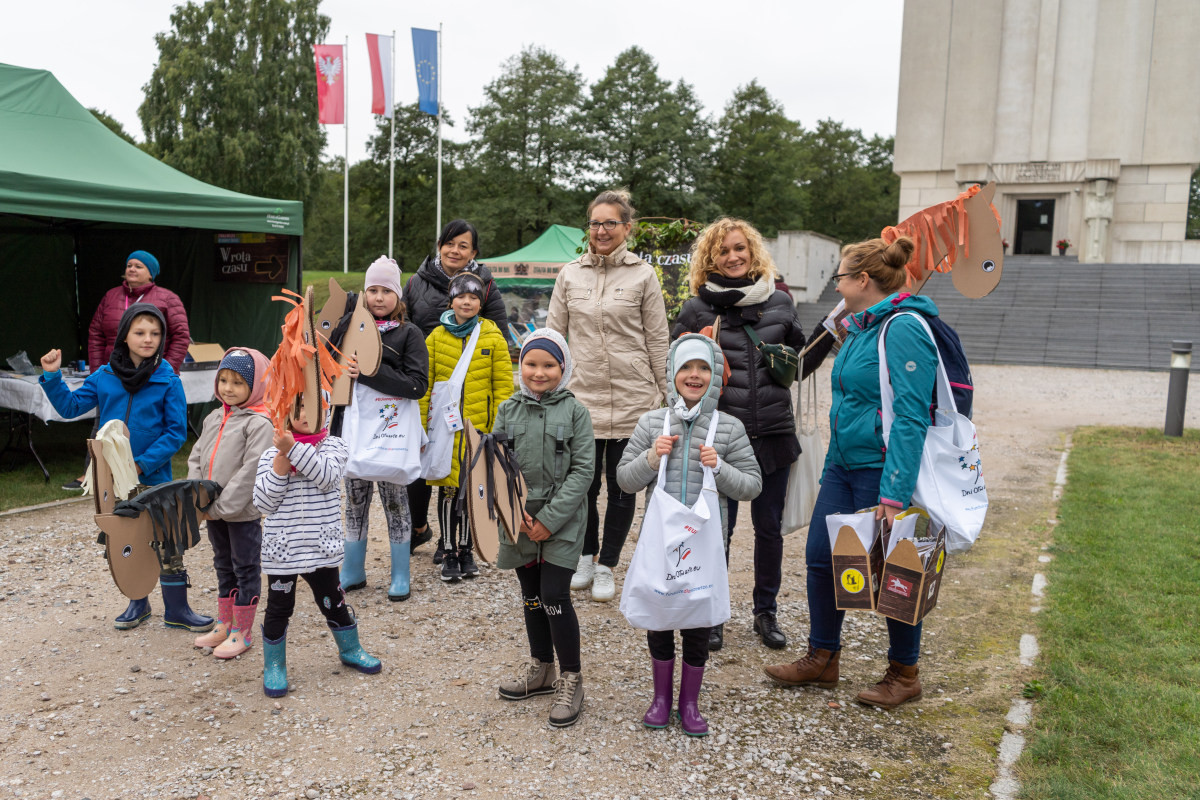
(141, 270)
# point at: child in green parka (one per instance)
(551, 433)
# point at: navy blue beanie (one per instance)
(240, 362)
(150, 261)
(544, 343)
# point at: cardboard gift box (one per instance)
(858, 542)
(204, 355)
(913, 568)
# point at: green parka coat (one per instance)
(553, 440)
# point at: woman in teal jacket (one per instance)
(860, 471)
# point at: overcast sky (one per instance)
(837, 60)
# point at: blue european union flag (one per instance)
(425, 43)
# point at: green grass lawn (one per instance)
(1119, 708)
(319, 280)
(61, 447)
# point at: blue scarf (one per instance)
(461, 331)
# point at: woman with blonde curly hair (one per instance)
(733, 278)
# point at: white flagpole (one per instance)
(439, 154)
(346, 163)
(392, 155)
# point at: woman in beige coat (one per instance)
(609, 305)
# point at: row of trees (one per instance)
(540, 146)
(232, 101)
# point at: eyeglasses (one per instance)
(837, 276)
(608, 224)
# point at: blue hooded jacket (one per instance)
(156, 414)
(855, 418)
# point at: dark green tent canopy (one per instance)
(76, 199)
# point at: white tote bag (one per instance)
(804, 481)
(678, 578)
(384, 436)
(950, 484)
(445, 417)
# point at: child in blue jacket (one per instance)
(139, 388)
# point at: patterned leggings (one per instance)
(395, 510)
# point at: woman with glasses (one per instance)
(860, 471)
(734, 280)
(427, 297)
(609, 305)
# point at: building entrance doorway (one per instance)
(1035, 227)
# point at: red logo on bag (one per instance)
(690, 529)
(900, 586)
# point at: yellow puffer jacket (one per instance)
(489, 381)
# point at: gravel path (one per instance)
(90, 712)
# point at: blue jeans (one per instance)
(844, 491)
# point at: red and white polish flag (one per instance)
(379, 48)
(331, 84)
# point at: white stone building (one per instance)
(1085, 112)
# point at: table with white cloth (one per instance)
(22, 397)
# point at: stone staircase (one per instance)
(1050, 311)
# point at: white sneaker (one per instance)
(584, 571)
(604, 588)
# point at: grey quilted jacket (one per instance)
(738, 475)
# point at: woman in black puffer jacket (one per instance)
(733, 277)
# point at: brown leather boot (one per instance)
(817, 668)
(899, 685)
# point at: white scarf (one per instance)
(683, 412)
(763, 288)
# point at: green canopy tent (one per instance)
(526, 276)
(76, 199)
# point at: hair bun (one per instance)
(898, 253)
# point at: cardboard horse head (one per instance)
(350, 326)
(960, 236)
(142, 534)
(302, 369)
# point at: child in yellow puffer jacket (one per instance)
(489, 382)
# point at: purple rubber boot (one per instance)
(659, 713)
(689, 694)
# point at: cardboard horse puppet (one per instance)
(493, 491)
(349, 326)
(143, 535)
(960, 236)
(304, 367)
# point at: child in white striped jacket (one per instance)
(297, 489)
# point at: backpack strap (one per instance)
(945, 397)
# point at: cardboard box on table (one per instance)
(205, 354)
(910, 586)
(858, 544)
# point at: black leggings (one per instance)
(281, 600)
(550, 620)
(454, 534)
(695, 645)
(618, 517)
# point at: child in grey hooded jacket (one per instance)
(694, 368)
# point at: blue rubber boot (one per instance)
(274, 664)
(354, 566)
(351, 652)
(176, 611)
(137, 613)
(401, 555)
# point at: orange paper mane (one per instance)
(285, 379)
(940, 233)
